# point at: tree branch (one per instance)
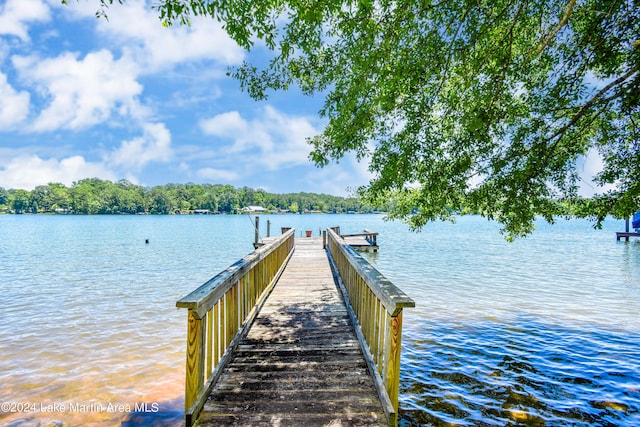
(561, 24)
(583, 110)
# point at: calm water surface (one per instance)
(543, 331)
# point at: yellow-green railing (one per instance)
(220, 311)
(376, 306)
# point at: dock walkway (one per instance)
(301, 362)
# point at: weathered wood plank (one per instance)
(329, 408)
(274, 396)
(313, 379)
(292, 419)
(301, 361)
(350, 383)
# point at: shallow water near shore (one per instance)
(542, 331)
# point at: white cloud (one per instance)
(217, 174)
(136, 28)
(16, 14)
(273, 143)
(75, 91)
(14, 106)
(19, 169)
(288, 137)
(28, 171)
(81, 92)
(272, 140)
(153, 146)
(225, 125)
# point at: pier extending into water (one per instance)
(367, 241)
(626, 235)
(302, 331)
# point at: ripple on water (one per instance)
(526, 372)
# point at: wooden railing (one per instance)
(375, 305)
(220, 311)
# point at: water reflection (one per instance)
(528, 372)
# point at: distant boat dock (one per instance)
(626, 235)
(302, 331)
(367, 241)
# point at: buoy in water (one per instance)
(146, 241)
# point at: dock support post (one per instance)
(257, 231)
(626, 228)
(324, 239)
(268, 228)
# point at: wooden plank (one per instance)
(309, 405)
(360, 243)
(310, 377)
(209, 341)
(291, 419)
(301, 362)
(267, 397)
(336, 382)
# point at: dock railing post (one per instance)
(393, 345)
(195, 361)
(257, 230)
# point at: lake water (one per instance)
(542, 331)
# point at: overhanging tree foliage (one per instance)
(483, 104)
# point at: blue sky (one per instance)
(126, 98)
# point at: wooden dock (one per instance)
(367, 241)
(301, 361)
(626, 235)
(299, 332)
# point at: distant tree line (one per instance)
(96, 196)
